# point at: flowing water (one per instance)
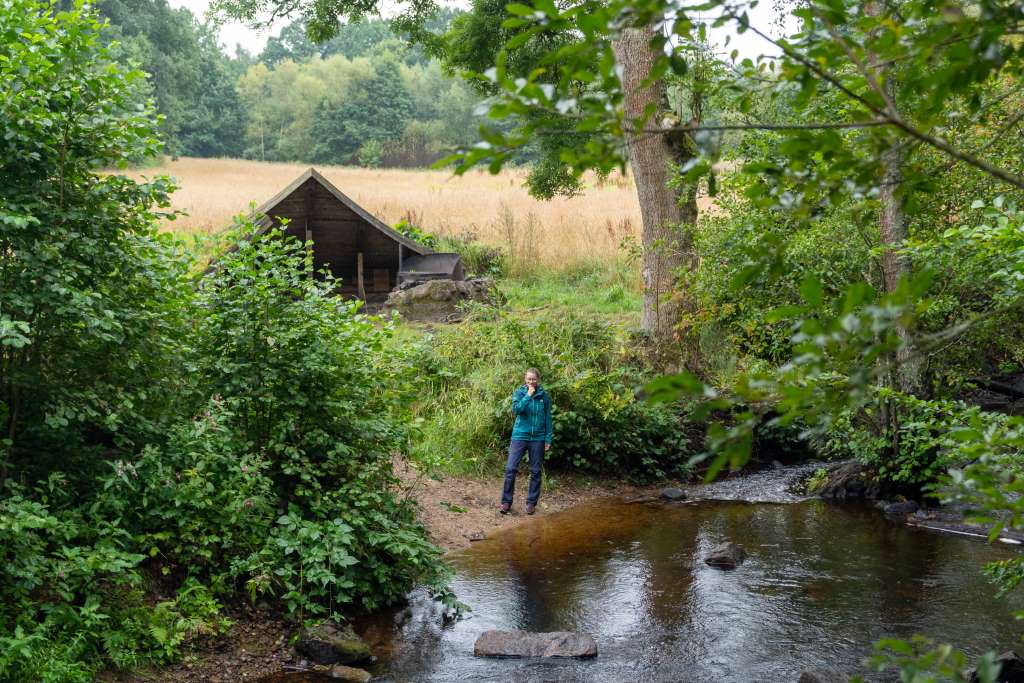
(820, 584)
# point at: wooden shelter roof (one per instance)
(267, 210)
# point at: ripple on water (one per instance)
(820, 584)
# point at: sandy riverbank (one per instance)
(458, 509)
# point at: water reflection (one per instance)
(819, 586)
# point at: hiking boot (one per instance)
(530, 509)
(505, 507)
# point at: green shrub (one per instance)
(409, 229)
(478, 258)
(186, 444)
(830, 248)
(599, 425)
(205, 500)
(92, 298)
(817, 480)
(919, 450)
(72, 593)
(309, 406)
(369, 154)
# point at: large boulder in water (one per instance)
(1011, 669)
(527, 644)
(726, 555)
(438, 300)
(849, 480)
(328, 643)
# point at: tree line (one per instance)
(364, 97)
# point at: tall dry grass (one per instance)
(495, 209)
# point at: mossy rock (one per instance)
(329, 643)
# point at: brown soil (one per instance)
(459, 510)
(256, 646)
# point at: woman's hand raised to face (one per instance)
(531, 381)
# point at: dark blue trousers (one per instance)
(515, 454)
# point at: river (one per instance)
(821, 583)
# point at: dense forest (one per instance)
(179, 441)
(366, 96)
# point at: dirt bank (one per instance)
(254, 647)
(456, 509)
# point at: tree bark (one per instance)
(893, 225)
(667, 214)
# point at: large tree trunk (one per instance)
(894, 265)
(893, 226)
(668, 215)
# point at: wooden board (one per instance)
(381, 281)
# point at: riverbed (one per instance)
(821, 583)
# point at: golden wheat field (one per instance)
(494, 208)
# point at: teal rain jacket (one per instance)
(533, 415)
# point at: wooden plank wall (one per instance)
(338, 235)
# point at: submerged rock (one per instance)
(328, 643)
(849, 480)
(527, 644)
(726, 555)
(1011, 671)
(350, 674)
(672, 493)
(635, 500)
(821, 676)
(899, 509)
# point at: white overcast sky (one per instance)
(763, 16)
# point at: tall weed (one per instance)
(599, 424)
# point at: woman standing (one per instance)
(531, 433)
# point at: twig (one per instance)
(895, 119)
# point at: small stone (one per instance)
(349, 673)
(726, 555)
(527, 644)
(476, 536)
(672, 493)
